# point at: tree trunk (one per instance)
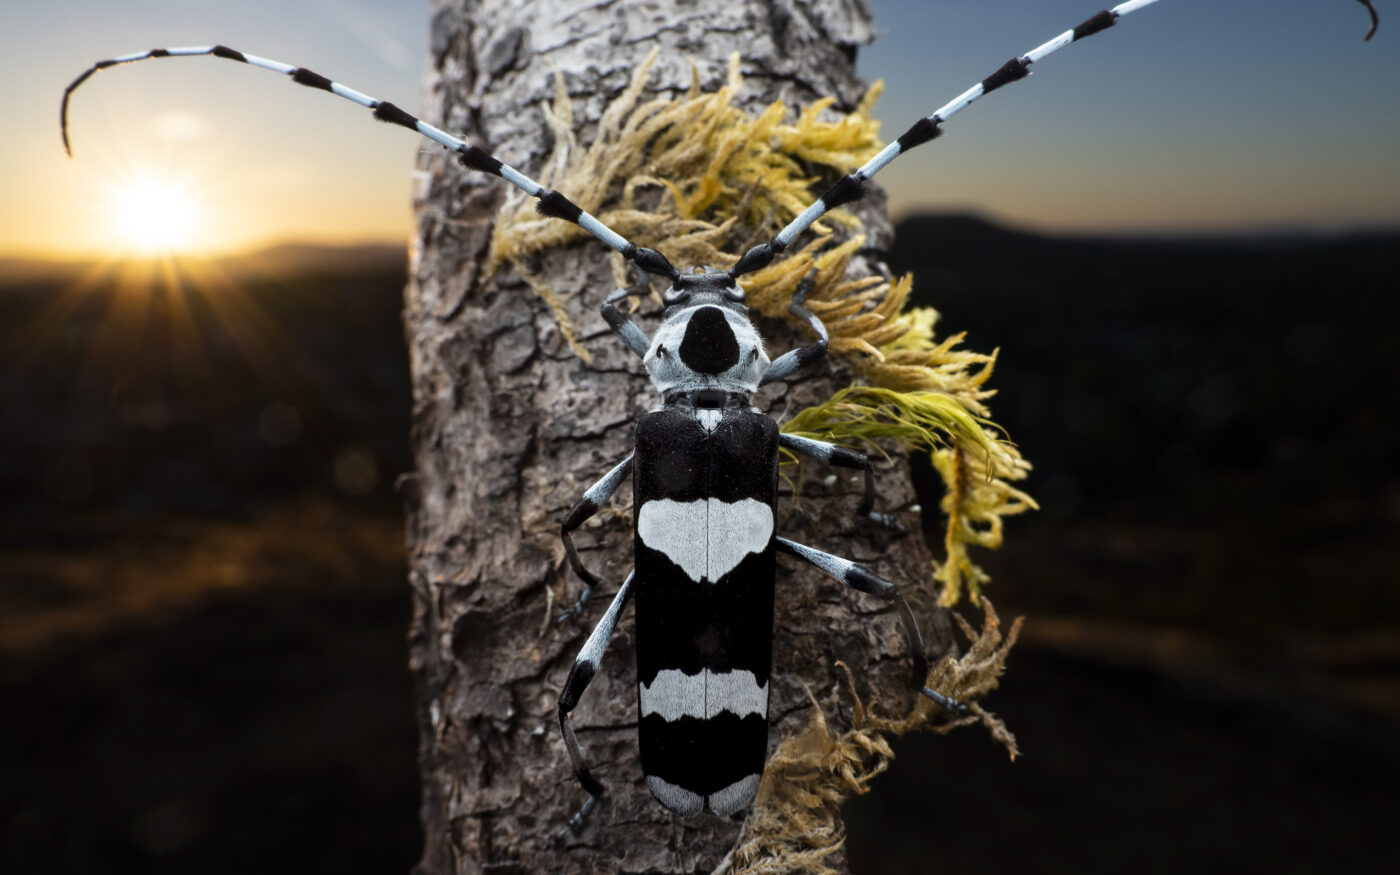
(510, 427)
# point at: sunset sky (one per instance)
(1192, 116)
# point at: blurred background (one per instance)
(1183, 236)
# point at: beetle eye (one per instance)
(735, 294)
(673, 296)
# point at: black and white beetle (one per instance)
(705, 472)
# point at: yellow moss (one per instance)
(702, 181)
(795, 823)
(913, 420)
(975, 502)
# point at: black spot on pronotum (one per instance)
(387, 112)
(1016, 68)
(303, 76)
(231, 54)
(556, 206)
(1091, 26)
(709, 346)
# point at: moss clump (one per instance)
(794, 825)
(702, 181)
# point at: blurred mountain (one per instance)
(373, 258)
(1134, 372)
(282, 258)
(1213, 425)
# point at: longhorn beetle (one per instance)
(705, 469)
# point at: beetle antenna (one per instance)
(1375, 19)
(851, 187)
(551, 203)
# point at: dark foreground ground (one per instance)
(202, 653)
(263, 723)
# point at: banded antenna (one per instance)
(851, 187)
(551, 203)
(847, 189)
(1375, 19)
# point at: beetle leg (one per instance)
(635, 338)
(790, 362)
(585, 667)
(858, 577)
(840, 457)
(596, 496)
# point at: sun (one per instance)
(152, 215)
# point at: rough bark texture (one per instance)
(510, 427)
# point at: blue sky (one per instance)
(1191, 116)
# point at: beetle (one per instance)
(705, 474)
(704, 467)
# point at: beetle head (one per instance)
(706, 340)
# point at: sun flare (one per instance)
(154, 216)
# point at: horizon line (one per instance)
(1169, 235)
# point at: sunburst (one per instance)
(154, 215)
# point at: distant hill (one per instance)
(1136, 370)
(978, 234)
(313, 257)
(281, 259)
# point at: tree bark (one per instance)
(510, 427)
